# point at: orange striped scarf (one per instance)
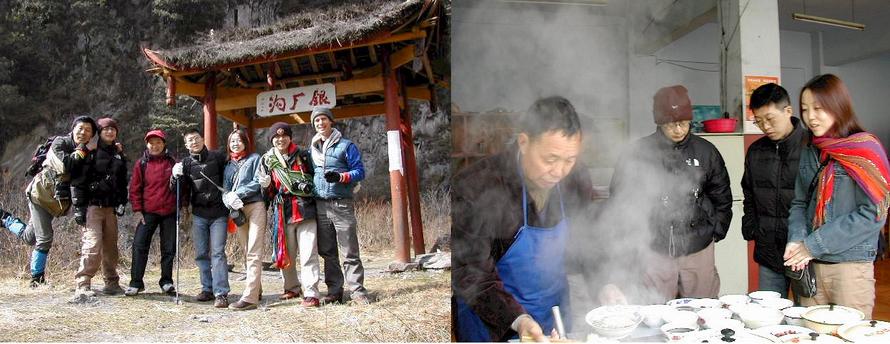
(864, 159)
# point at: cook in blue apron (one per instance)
(531, 270)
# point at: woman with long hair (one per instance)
(243, 184)
(840, 199)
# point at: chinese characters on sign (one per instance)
(293, 100)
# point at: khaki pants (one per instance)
(252, 236)
(99, 237)
(693, 275)
(850, 284)
(301, 237)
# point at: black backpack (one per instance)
(39, 156)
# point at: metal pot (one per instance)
(828, 318)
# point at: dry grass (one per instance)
(409, 307)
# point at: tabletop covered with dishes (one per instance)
(759, 317)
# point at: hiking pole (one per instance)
(177, 300)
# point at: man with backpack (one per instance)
(61, 160)
(154, 205)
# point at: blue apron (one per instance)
(531, 270)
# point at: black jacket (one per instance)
(204, 197)
(106, 185)
(682, 188)
(74, 181)
(486, 215)
(768, 185)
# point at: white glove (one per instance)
(231, 200)
(263, 178)
(237, 204)
(177, 170)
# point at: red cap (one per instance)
(156, 133)
(672, 104)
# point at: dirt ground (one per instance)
(406, 307)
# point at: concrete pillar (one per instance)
(749, 47)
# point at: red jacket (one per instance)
(157, 197)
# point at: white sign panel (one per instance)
(394, 148)
(298, 99)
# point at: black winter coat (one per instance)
(204, 197)
(682, 188)
(106, 185)
(771, 169)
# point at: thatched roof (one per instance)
(335, 25)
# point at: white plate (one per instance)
(686, 301)
(783, 330)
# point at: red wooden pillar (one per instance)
(171, 91)
(210, 139)
(413, 180)
(396, 182)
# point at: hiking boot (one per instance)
(133, 291)
(204, 296)
(360, 299)
(310, 302)
(168, 289)
(288, 294)
(222, 301)
(334, 298)
(242, 305)
(37, 280)
(112, 289)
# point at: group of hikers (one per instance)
(309, 192)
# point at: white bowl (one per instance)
(828, 318)
(794, 316)
(706, 303)
(614, 321)
(758, 316)
(764, 294)
(676, 317)
(676, 332)
(779, 303)
(734, 299)
(653, 314)
(719, 324)
(686, 301)
(709, 314)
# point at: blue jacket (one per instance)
(248, 188)
(342, 157)
(850, 232)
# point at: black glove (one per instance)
(332, 177)
(80, 216)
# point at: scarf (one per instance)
(281, 180)
(320, 146)
(238, 156)
(864, 159)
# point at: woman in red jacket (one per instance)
(154, 204)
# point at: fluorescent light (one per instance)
(563, 2)
(828, 21)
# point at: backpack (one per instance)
(39, 156)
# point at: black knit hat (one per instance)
(273, 130)
(86, 119)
